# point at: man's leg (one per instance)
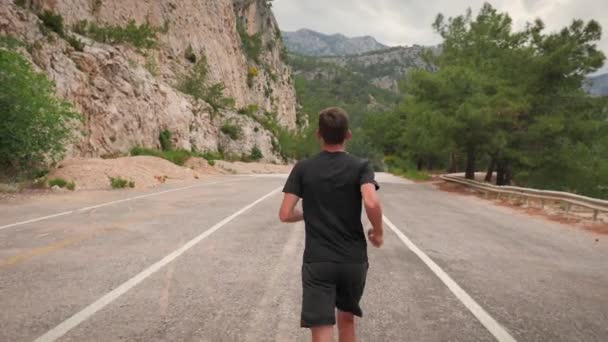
(323, 334)
(346, 326)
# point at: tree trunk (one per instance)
(419, 164)
(470, 170)
(491, 168)
(453, 167)
(502, 174)
(508, 176)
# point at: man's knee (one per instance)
(345, 318)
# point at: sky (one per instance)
(408, 22)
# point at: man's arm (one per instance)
(288, 212)
(373, 209)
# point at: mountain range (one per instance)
(597, 85)
(381, 65)
(312, 43)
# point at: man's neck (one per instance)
(333, 148)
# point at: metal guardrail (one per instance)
(596, 205)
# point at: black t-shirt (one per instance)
(330, 187)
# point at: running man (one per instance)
(332, 186)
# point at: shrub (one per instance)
(234, 132)
(214, 96)
(118, 183)
(20, 3)
(190, 55)
(34, 124)
(194, 84)
(131, 184)
(165, 140)
(52, 21)
(140, 36)
(251, 74)
(60, 182)
(256, 154)
(76, 43)
(71, 186)
(249, 110)
(251, 44)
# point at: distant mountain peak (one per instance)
(312, 43)
(597, 85)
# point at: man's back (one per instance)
(330, 186)
(333, 186)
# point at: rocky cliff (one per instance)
(311, 43)
(129, 94)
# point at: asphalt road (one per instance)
(209, 261)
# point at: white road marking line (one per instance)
(109, 203)
(482, 315)
(108, 298)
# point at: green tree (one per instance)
(500, 94)
(34, 125)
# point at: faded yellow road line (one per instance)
(35, 252)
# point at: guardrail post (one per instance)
(542, 203)
(568, 205)
(595, 213)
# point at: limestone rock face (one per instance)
(128, 96)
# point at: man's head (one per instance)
(333, 126)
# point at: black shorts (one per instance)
(327, 286)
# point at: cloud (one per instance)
(408, 22)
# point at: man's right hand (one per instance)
(375, 238)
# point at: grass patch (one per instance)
(414, 175)
(60, 182)
(10, 42)
(178, 157)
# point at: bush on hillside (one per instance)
(231, 130)
(53, 22)
(34, 125)
(140, 36)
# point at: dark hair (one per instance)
(333, 125)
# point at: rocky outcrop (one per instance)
(311, 43)
(128, 95)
